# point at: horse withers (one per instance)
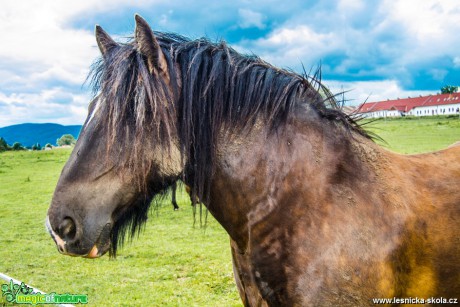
(317, 213)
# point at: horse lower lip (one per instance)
(102, 243)
(93, 253)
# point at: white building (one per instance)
(442, 104)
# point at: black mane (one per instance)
(212, 89)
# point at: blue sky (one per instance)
(375, 50)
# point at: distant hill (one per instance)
(30, 134)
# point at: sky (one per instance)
(373, 50)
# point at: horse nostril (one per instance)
(67, 229)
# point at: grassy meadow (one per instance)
(172, 263)
(417, 135)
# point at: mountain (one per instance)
(30, 134)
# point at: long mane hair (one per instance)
(212, 88)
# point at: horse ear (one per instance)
(149, 47)
(104, 41)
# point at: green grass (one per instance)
(172, 263)
(417, 135)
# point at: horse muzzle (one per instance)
(67, 244)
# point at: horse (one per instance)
(174, 187)
(318, 214)
(173, 196)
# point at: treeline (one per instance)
(66, 139)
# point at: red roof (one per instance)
(399, 108)
(407, 104)
(443, 99)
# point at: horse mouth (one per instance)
(102, 244)
(100, 247)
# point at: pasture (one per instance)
(173, 262)
(417, 135)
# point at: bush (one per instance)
(66, 139)
(3, 145)
(17, 146)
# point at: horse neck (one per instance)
(258, 173)
(304, 168)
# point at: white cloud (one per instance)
(298, 35)
(403, 40)
(430, 27)
(39, 48)
(457, 61)
(289, 46)
(250, 18)
(43, 60)
(350, 5)
(358, 92)
(43, 107)
(426, 20)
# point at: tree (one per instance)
(66, 139)
(3, 145)
(449, 89)
(17, 146)
(48, 145)
(36, 147)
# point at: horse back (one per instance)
(426, 262)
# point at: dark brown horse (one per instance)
(173, 196)
(317, 213)
(174, 187)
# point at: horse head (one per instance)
(127, 150)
